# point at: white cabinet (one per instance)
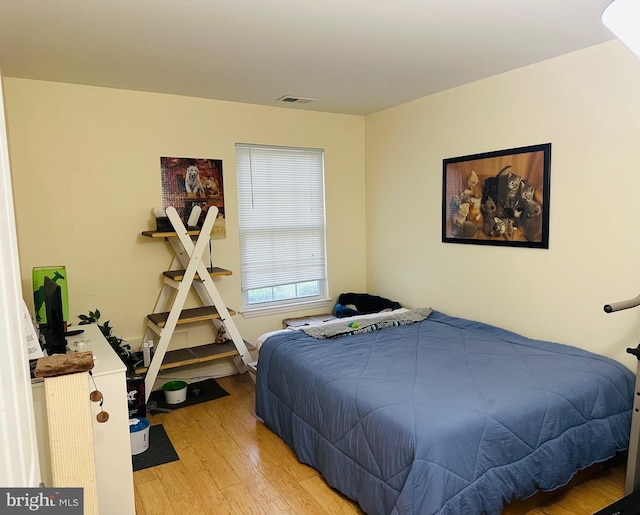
(112, 445)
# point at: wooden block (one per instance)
(63, 364)
(177, 275)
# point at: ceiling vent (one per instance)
(289, 99)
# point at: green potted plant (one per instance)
(122, 348)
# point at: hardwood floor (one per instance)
(230, 463)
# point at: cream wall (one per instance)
(587, 105)
(85, 165)
(85, 171)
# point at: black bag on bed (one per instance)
(364, 304)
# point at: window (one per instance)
(281, 218)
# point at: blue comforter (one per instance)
(444, 416)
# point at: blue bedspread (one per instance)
(444, 416)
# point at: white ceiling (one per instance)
(353, 56)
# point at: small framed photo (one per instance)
(498, 198)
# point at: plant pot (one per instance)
(175, 392)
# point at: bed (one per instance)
(443, 415)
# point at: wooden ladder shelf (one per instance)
(187, 271)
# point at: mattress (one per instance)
(445, 416)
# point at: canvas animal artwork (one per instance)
(469, 197)
(211, 187)
(498, 227)
(473, 190)
(532, 223)
(526, 192)
(512, 197)
(490, 210)
(460, 226)
(192, 181)
(501, 206)
(510, 194)
(475, 213)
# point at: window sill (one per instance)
(285, 308)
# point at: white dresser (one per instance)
(112, 444)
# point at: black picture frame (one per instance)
(498, 198)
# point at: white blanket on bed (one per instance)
(348, 326)
(263, 337)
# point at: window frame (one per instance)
(247, 187)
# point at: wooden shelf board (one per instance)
(191, 356)
(179, 357)
(188, 315)
(205, 352)
(177, 275)
(167, 234)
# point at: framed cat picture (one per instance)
(498, 198)
(188, 182)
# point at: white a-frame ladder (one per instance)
(191, 271)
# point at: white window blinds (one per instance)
(281, 215)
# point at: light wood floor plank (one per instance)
(212, 500)
(208, 467)
(290, 488)
(175, 478)
(140, 510)
(242, 502)
(144, 475)
(189, 504)
(154, 499)
(331, 501)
